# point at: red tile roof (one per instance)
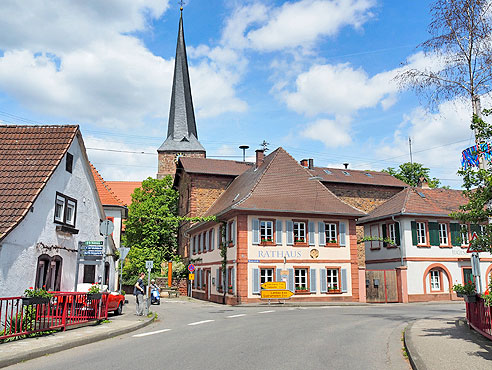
(106, 195)
(213, 166)
(123, 190)
(28, 157)
(357, 177)
(418, 201)
(280, 184)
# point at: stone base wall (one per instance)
(166, 164)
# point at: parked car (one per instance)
(116, 300)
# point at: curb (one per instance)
(413, 356)
(32, 354)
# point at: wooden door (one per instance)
(381, 286)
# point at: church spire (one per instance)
(182, 135)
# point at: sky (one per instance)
(313, 76)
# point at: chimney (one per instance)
(260, 154)
(304, 162)
(311, 163)
(423, 183)
(346, 165)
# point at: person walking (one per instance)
(139, 292)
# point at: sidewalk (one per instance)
(29, 348)
(446, 343)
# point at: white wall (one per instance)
(36, 234)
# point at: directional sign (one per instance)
(149, 265)
(276, 294)
(93, 253)
(191, 267)
(92, 248)
(191, 276)
(274, 285)
(93, 242)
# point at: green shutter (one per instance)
(474, 229)
(434, 233)
(383, 226)
(414, 232)
(397, 233)
(455, 234)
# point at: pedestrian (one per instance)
(139, 292)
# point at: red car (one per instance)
(116, 302)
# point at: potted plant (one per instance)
(230, 288)
(301, 289)
(94, 292)
(34, 296)
(467, 291)
(487, 296)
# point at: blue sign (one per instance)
(191, 267)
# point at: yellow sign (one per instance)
(191, 276)
(276, 294)
(274, 285)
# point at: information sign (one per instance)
(191, 276)
(276, 294)
(149, 265)
(274, 285)
(191, 267)
(93, 242)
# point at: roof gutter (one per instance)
(365, 221)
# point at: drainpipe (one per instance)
(400, 247)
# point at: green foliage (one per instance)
(411, 172)
(94, 289)
(478, 189)
(37, 292)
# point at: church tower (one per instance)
(182, 137)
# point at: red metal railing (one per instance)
(479, 317)
(20, 316)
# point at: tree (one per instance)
(411, 173)
(461, 46)
(151, 227)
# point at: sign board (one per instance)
(93, 253)
(149, 265)
(191, 267)
(93, 242)
(123, 252)
(284, 274)
(276, 294)
(106, 228)
(274, 285)
(191, 276)
(91, 248)
(474, 236)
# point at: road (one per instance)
(199, 335)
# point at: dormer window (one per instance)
(65, 210)
(346, 173)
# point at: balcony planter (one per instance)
(29, 301)
(470, 298)
(93, 296)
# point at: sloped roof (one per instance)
(418, 201)
(357, 177)
(28, 157)
(123, 190)
(213, 166)
(106, 195)
(280, 184)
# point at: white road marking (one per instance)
(238, 315)
(200, 322)
(150, 333)
(267, 311)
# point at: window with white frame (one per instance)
(299, 232)
(435, 280)
(266, 275)
(443, 234)
(266, 231)
(331, 233)
(392, 233)
(332, 280)
(464, 234)
(65, 210)
(70, 216)
(421, 234)
(300, 279)
(59, 208)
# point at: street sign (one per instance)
(149, 265)
(191, 267)
(91, 248)
(93, 253)
(274, 285)
(123, 252)
(468, 250)
(106, 228)
(93, 242)
(191, 276)
(276, 294)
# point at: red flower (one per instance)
(44, 286)
(486, 292)
(469, 281)
(31, 287)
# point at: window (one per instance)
(210, 240)
(421, 235)
(435, 280)
(331, 233)
(375, 244)
(299, 232)
(300, 279)
(346, 173)
(219, 282)
(443, 234)
(229, 280)
(332, 280)
(266, 275)
(48, 272)
(65, 210)
(69, 163)
(89, 274)
(464, 234)
(392, 233)
(467, 275)
(266, 231)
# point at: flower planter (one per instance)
(470, 298)
(29, 301)
(93, 296)
(459, 294)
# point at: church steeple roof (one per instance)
(181, 131)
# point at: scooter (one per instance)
(155, 296)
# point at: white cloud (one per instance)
(333, 133)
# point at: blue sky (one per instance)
(312, 76)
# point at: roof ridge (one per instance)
(105, 185)
(407, 197)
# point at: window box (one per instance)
(94, 296)
(302, 290)
(30, 301)
(230, 289)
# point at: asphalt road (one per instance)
(198, 335)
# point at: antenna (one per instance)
(410, 147)
(244, 147)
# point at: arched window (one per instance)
(435, 276)
(48, 272)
